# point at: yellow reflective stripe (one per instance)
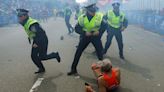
(29, 22)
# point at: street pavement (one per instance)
(142, 70)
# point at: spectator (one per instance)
(108, 77)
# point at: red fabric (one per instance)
(111, 81)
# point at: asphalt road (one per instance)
(143, 70)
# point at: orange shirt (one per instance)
(111, 81)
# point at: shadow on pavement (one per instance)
(87, 79)
(120, 89)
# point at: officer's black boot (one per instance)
(40, 71)
(55, 55)
(122, 56)
(58, 57)
(72, 72)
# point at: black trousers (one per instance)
(69, 26)
(40, 53)
(84, 42)
(118, 35)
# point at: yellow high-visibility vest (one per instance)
(27, 25)
(115, 21)
(93, 25)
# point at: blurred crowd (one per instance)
(38, 9)
(148, 19)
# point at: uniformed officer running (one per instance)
(39, 37)
(117, 23)
(88, 26)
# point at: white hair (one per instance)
(105, 64)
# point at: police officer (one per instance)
(117, 23)
(88, 26)
(67, 14)
(39, 37)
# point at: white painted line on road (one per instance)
(77, 77)
(36, 85)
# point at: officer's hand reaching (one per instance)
(96, 33)
(123, 28)
(88, 34)
(34, 45)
